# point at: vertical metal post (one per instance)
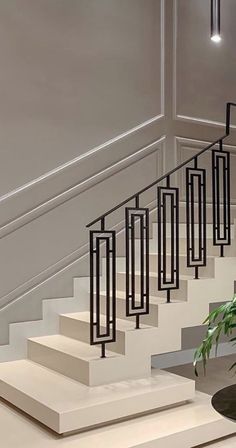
(137, 299)
(228, 117)
(221, 198)
(168, 201)
(196, 229)
(100, 333)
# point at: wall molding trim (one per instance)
(211, 123)
(199, 144)
(70, 260)
(58, 268)
(78, 159)
(183, 143)
(32, 209)
(43, 277)
(162, 58)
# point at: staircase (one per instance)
(96, 371)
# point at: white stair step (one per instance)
(154, 274)
(154, 302)
(230, 251)
(65, 405)
(229, 442)
(188, 286)
(183, 231)
(205, 271)
(82, 362)
(77, 326)
(178, 294)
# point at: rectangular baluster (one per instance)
(137, 303)
(196, 229)
(102, 240)
(221, 198)
(168, 205)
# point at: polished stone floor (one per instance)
(217, 377)
(217, 374)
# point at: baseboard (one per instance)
(167, 360)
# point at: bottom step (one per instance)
(185, 426)
(65, 405)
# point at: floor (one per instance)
(217, 374)
(217, 377)
(227, 443)
(18, 430)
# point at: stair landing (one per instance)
(65, 405)
(184, 426)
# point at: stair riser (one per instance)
(91, 373)
(211, 250)
(74, 368)
(209, 218)
(183, 230)
(64, 405)
(230, 251)
(132, 342)
(80, 330)
(49, 417)
(178, 294)
(205, 271)
(150, 319)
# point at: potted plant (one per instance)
(221, 321)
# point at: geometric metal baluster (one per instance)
(106, 241)
(168, 206)
(196, 196)
(221, 198)
(137, 296)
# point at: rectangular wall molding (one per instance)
(154, 150)
(187, 147)
(54, 188)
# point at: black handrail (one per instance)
(169, 173)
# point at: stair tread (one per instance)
(72, 347)
(62, 393)
(152, 299)
(121, 324)
(66, 405)
(181, 255)
(181, 277)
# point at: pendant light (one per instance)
(215, 21)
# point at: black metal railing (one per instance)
(196, 253)
(103, 241)
(133, 218)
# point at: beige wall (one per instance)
(97, 99)
(74, 74)
(204, 70)
(81, 88)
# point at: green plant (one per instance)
(221, 321)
